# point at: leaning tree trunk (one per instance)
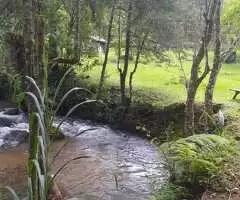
(77, 45)
(216, 64)
(132, 73)
(124, 72)
(109, 37)
(195, 78)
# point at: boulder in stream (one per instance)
(11, 111)
(14, 138)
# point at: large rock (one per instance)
(15, 137)
(11, 111)
(6, 122)
(9, 120)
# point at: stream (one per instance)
(120, 166)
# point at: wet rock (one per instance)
(14, 138)
(11, 111)
(9, 120)
(6, 122)
(5, 104)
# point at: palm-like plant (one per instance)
(41, 119)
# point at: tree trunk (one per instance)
(139, 51)
(195, 79)
(127, 53)
(28, 34)
(216, 64)
(109, 37)
(77, 32)
(53, 40)
(39, 42)
(16, 52)
(189, 111)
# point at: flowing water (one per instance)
(120, 166)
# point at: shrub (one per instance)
(198, 159)
(11, 87)
(170, 192)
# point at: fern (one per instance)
(197, 158)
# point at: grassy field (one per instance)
(164, 81)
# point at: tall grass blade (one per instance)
(14, 194)
(30, 191)
(40, 177)
(73, 109)
(66, 96)
(66, 143)
(65, 164)
(61, 83)
(36, 102)
(42, 128)
(32, 81)
(43, 153)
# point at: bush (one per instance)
(170, 192)
(198, 159)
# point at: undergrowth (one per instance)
(170, 192)
(200, 162)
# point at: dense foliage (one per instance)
(198, 160)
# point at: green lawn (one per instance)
(164, 80)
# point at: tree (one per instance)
(216, 63)
(109, 37)
(33, 43)
(230, 20)
(39, 40)
(74, 57)
(140, 46)
(123, 72)
(138, 26)
(28, 35)
(196, 78)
